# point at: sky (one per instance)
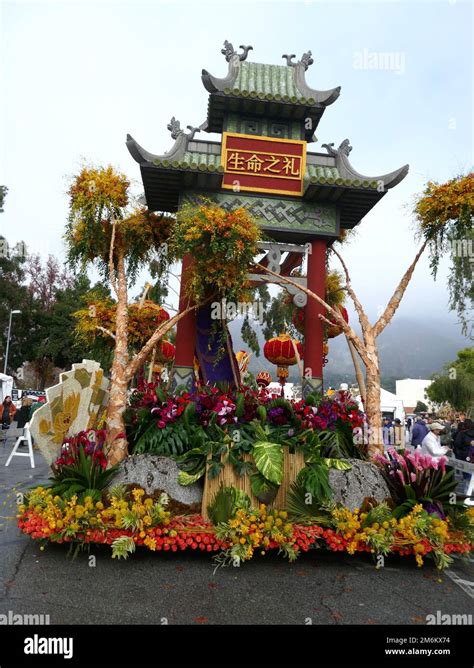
(76, 77)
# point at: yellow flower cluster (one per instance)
(260, 529)
(417, 532)
(223, 245)
(57, 516)
(138, 514)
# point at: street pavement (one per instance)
(182, 588)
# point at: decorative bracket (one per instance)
(274, 255)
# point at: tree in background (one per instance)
(14, 295)
(3, 193)
(45, 279)
(455, 385)
(421, 407)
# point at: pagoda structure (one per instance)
(267, 116)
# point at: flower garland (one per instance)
(126, 520)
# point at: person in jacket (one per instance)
(23, 414)
(8, 412)
(431, 444)
(419, 432)
(464, 440)
(398, 433)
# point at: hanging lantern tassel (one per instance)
(325, 353)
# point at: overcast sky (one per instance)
(77, 76)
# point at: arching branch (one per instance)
(397, 296)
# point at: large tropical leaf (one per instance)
(225, 503)
(304, 509)
(315, 479)
(263, 489)
(269, 460)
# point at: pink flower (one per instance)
(413, 477)
(442, 463)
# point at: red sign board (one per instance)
(263, 164)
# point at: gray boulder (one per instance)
(154, 473)
(353, 486)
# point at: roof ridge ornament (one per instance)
(229, 52)
(345, 147)
(177, 151)
(306, 59)
(289, 59)
(174, 126)
(346, 170)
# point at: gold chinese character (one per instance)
(254, 163)
(273, 160)
(289, 167)
(235, 161)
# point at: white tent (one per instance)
(6, 386)
(391, 403)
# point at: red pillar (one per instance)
(314, 328)
(185, 335)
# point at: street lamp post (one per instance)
(12, 313)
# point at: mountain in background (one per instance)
(408, 348)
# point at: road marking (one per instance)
(465, 585)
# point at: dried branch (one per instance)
(106, 331)
(139, 359)
(112, 276)
(346, 328)
(363, 319)
(397, 296)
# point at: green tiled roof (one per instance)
(269, 82)
(316, 174)
(211, 162)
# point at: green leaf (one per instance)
(225, 503)
(122, 547)
(188, 479)
(269, 460)
(189, 413)
(240, 405)
(214, 468)
(160, 394)
(410, 492)
(339, 464)
(315, 479)
(262, 414)
(263, 489)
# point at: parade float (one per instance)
(205, 460)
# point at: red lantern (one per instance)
(281, 351)
(334, 329)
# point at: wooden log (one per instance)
(228, 477)
(292, 465)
